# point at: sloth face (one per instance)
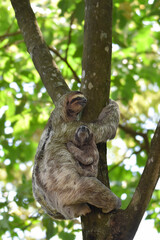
(83, 135)
(75, 103)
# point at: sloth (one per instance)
(57, 185)
(84, 152)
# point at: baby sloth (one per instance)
(85, 152)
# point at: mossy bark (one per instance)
(96, 69)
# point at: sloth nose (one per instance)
(83, 128)
(82, 101)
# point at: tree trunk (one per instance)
(96, 68)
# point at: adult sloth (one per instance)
(57, 185)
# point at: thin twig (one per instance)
(15, 43)
(69, 36)
(134, 133)
(9, 35)
(67, 63)
(122, 160)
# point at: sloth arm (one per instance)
(106, 126)
(103, 129)
(79, 155)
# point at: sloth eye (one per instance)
(76, 99)
(79, 98)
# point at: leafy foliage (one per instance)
(25, 106)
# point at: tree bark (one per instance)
(96, 68)
(96, 63)
(122, 224)
(38, 50)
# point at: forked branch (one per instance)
(56, 52)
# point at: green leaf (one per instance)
(65, 6)
(66, 236)
(50, 230)
(11, 107)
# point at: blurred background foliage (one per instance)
(25, 106)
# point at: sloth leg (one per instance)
(100, 196)
(91, 190)
(64, 209)
(76, 210)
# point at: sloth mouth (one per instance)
(82, 101)
(79, 100)
(83, 128)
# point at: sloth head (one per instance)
(83, 136)
(74, 104)
(69, 106)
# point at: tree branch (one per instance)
(67, 63)
(124, 158)
(37, 48)
(134, 133)
(69, 36)
(148, 179)
(9, 35)
(15, 43)
(124, 223)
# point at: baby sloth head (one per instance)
(75, 103)
(83, 136)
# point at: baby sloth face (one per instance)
(83, 135)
